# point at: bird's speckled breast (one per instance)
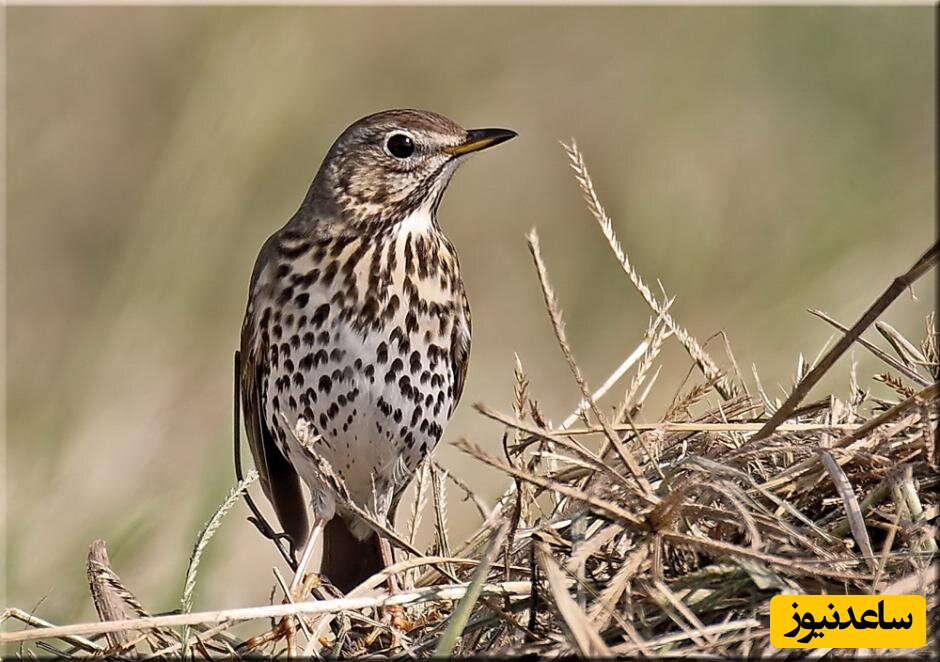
(366, 340)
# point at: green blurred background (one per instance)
(756, 161)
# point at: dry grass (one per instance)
(615, 537)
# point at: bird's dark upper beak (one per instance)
(478, 139)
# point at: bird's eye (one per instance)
(400, 145)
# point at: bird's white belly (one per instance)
(369, 431)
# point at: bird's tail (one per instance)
(347, 561)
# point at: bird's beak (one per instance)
(478, 139)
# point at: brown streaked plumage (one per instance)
(357, 334)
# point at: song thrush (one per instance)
(357, 333)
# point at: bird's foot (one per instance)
(395, 625)
(305, 590)
(396, 618)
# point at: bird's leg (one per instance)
(395, 614)
(388, 559)
(298, 581)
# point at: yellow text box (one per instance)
(848, 621)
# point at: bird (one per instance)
(356, 337)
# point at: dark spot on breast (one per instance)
(404, 384)
(320, 357)
(370, 310)
(330, 273)
(313, 275)
(421, 249)
(375, 266)
(356, 256)
(384, 406)
(409, 255)
(391, 308)
(320, 315)
(293, 251)
(285, 296)
(338, 245)
(411, 322)
(411, 291)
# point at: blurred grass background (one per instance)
(756, 161)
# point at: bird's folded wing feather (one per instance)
(460, 351)
(279, 480)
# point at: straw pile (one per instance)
(615, 537)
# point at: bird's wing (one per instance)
(460, 350)
(279, 480)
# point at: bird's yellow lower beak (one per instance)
(478, 139)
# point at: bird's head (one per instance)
(390, 164)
